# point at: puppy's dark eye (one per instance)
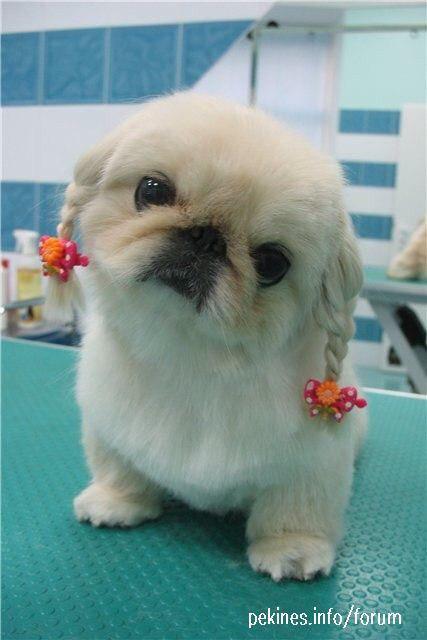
(271, 263)
(154, 190)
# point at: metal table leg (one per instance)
(415, 360)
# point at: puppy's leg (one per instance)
(118, 494)
(293, 530)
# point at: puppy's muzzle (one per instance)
(191, 262)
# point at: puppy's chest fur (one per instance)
(203, 437)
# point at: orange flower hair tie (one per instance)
(59, 256)
(329, 400)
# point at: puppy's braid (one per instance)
(339, 327)
(64, 299)
(341, 284)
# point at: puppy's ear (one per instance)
(341, 284)
(63, 298)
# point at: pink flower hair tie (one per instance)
(59, 256)
(329, 400)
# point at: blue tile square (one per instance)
(370, 174)
(74, 66)
(378, 174)
(352, 172)
(51, 197)
(143, 62)
(369, 121)
(204, 43)
(372, 227)
(368, 329)
(20, 68)
(18, 210)
(383, 122)
(352, 121)
(395, 122)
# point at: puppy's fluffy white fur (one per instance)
(412, 261)
(207, 405)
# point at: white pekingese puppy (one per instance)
(223, 276)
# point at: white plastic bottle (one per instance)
(4, 290)
(28, 273)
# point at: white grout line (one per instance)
(179, 50)
(37, 205)
(107, 65)
(42, 66)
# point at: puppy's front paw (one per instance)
(101, 505)
(292, 555)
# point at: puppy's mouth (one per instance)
(190, 263)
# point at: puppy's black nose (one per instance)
(206, 239)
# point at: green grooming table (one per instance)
(186, 576)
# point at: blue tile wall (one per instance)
(18, 210)
(143, 61)
(203, 44)
(372, 227)
(130, 64)
(50, 199)
(20, 68)
(74, 66)
(368, 329)
(370, 122)
(119, 64)
(370, 174)
(28, 205)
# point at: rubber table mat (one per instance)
(185, 575)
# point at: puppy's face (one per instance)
(210, 220)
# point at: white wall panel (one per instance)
(41, 16)
(42, 144)
(367, 147)
(411, 196)
(376, 253)
(370, 200)
(294, 81)
(368, 354)
(364, 309)
(229, 76)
